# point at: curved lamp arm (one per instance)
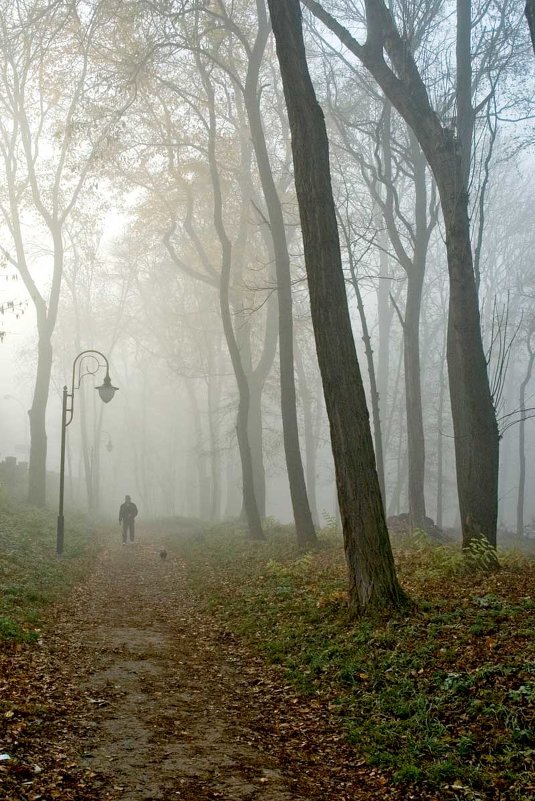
(106, 390)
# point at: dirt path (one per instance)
(171, 727)
(144, 699)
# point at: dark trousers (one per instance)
(128, 526)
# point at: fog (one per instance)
(148, 212)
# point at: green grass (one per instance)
(31, 576)
(442, 698)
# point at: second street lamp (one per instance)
(88, 359)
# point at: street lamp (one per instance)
(89, 359)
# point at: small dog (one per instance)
(163, 554)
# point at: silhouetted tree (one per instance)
(373, 585)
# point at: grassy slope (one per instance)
(31, 576)
(443, 698)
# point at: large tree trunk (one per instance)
(473, 414)
(292, 450)
(372, 578)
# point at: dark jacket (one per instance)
(127, 512)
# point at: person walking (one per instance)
(127, 516)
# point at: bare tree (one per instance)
(390, 59)
(47, 149)
(373, 584)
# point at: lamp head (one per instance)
(106, 390)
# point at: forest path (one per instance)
(149, 700)
(167, 696)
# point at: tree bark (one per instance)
(473, 414)
(373, 584)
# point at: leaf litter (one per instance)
(133, 693)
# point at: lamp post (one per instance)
(106, 391)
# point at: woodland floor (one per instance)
(132, 693)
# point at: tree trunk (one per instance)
(385, 312)
(522, 448)
(440, 440)
(414, 265)
(413, 398)
(256, 377)
(249, 497)
(213, 427)
(473, 414)
(373, 584)
(396, 428)
(292, 450)
(256, 442)
(37, 415)
(233, 498)
(374, 395)
(310, 438)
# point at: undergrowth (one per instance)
(31, 575)
(442, 698)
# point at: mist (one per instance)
(157, 149)
(267, 344)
